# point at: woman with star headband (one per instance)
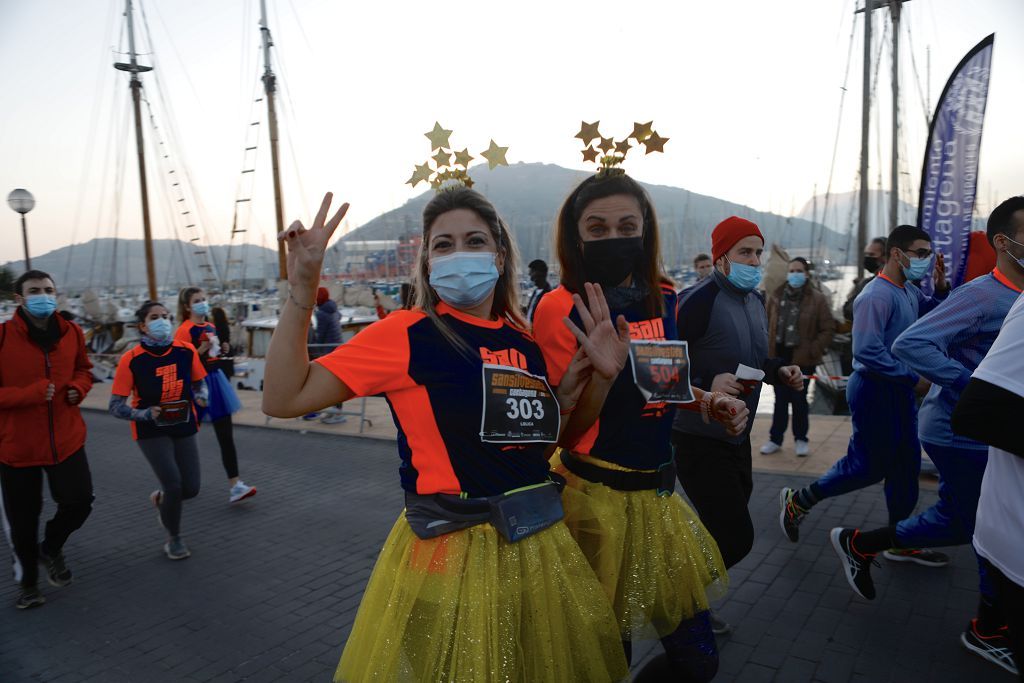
(479, 579)
(656, 561)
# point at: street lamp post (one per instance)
(22, 201)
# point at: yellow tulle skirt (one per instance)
(470, 606)
(656, 561)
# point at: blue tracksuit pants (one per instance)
(883, 445)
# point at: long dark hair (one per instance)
(569, 245)
(506, 291)
(184, 307)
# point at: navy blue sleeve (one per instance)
(694, 314)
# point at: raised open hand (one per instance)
(605, 342)
(575, 379)
(306, 248)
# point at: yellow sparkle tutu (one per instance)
(470, 606)
(656, 561)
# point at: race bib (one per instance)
(518, 407)
(173, 413)
(661, 370)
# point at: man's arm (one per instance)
(924, 346)
(871, 315)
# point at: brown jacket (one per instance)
(816, 326)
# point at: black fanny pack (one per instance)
(516, 514)
(663, 480)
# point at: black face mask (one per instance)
(871, 264)
(609, 262)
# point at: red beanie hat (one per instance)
(730, 231)
(322, 295)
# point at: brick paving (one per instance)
(272, 587)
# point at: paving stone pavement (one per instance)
(273, 584)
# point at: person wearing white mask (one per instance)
(800, 328)
(476, 416)
(44, 375)
(164, 377)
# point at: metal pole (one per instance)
(269, 86)
(24, 239)
(894, 196)
(862, 217)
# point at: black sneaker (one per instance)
(29, 597)
(995, 648)
(856, 566)
(922, 556)
(790, 514)
(57, 573)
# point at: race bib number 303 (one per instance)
(661, 370)
(518, 407)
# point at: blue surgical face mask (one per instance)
(796, 280)
(41, 305)
(918, 268)
(201, 308)
(1020, 261)
(743, 276)
(158, 332)
(463, 279)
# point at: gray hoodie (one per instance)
(724, 327)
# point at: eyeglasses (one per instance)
(919, 253)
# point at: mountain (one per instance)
(528, 196)
(842, 211)
(95, 263)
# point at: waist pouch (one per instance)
(663, 480)
(516, 514)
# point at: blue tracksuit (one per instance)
(946, 347)
(884, 443)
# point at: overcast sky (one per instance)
(747, 91)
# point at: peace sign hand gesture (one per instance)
(605, 342)
(306, 248)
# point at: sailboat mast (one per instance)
(894, 198)
(269, 87)
(865, 125)
(134, 68)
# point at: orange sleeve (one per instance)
(181, 334)
(124, 380)
(556, 342)
(376, 360)
(198, 371)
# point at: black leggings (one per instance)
(1010, 599)
(690, 656)
(226, 440)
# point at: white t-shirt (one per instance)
(999, 531)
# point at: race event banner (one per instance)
(949, 180)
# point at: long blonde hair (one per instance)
(506, 291)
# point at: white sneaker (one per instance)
(770, 447)
(241, 491)
(802, 448)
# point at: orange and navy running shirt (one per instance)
(195, 335)
(436, 395)
(154, 376)
(629, 431)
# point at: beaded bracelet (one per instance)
(296, 302)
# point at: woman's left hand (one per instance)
(574, 381)
(731, 413)
(606, 343)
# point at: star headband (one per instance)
(446, 173)
(614, 153)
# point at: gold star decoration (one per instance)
(441, 158)
(438, 137)
(623, 147)
(421, 173)
(607, 145)
(655, 143)
(642, 131)
(495, 155)
(590, 154)
(588, 132)
(463, 158)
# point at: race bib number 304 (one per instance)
(661, 370)
(518, 407)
